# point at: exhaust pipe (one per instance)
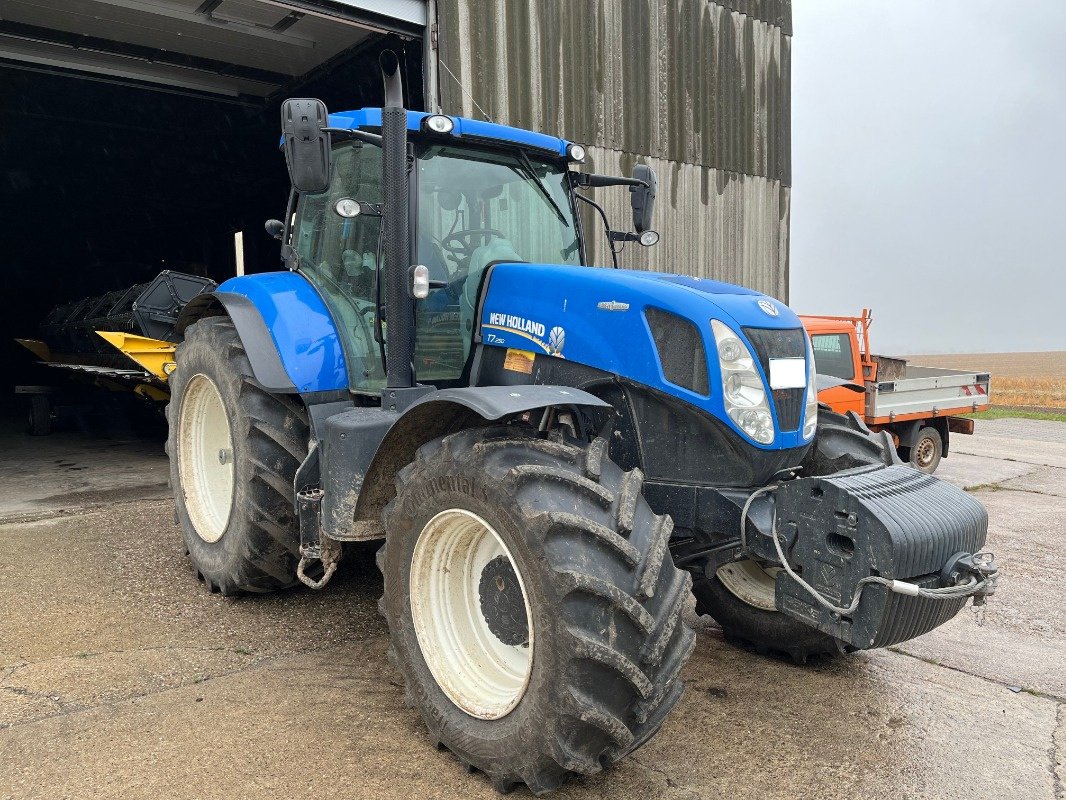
(399, 307)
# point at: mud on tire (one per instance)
(259, 548)
(606, 602)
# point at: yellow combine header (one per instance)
(155, 355)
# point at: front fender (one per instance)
(363, 449)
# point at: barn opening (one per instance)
(141, 135)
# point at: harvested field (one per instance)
(1019, 380)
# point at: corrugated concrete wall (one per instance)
(697, 89)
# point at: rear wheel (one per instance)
(234, 450)
(927, 450)
(533, 606)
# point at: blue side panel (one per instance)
(371, 118)
(595, 316)
(301, 326)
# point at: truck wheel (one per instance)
(234, 450)
(534, 609)
(740, 598)
(40, 416)
(927, 450)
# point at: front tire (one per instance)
(565, 640)
(234, 450)
(740, 598)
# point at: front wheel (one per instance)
(740, 598)
(533, 605)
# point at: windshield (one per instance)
(477, 208)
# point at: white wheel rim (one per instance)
(751, 583)
(205, 458)
(482, 675)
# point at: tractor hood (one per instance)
(599, 317)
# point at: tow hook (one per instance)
(313, 547)
(972, 569)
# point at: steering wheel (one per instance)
(463, 240)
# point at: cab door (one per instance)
(835, 354)
(340, 256)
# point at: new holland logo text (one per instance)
(514, 323)
(526, 328)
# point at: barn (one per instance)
(141, 135)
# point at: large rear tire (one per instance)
(234, 450)
(533, 605)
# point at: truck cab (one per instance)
(840, 346)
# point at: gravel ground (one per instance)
(121, 677)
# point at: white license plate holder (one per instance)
(788, 373)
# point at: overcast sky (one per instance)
(929, 163)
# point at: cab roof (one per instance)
(465, 128)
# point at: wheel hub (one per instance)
(925, 452)
(502, 604)
(471, 614)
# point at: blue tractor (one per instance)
(555, 455)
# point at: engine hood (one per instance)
(596, 316)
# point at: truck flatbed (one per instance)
(927, 392)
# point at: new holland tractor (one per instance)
(554, 454)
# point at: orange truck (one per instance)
(917, 405)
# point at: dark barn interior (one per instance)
(107, 178)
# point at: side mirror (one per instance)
(642, 198)
(274, 228)
(307, 151)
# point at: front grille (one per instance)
(680, 349)
(777, 343)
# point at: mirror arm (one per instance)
(606, 225)
(355, 133)
(592, 180)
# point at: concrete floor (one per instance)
(121, 677)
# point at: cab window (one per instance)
(833, 355)
(476, 208)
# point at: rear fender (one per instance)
(285, 327)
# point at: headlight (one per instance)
(745, 397)
(810, 412)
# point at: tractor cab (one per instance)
(480, 194)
